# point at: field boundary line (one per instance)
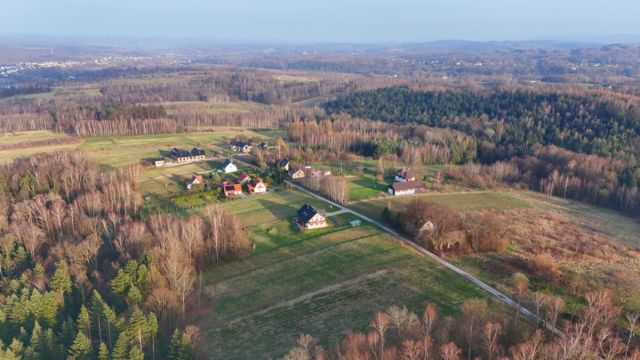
(309, 295)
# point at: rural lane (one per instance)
(479, 283)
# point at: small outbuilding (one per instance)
(405, 174)
(296, 173)
(195, 180)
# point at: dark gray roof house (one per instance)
(306, 213)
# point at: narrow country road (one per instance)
(481, 284)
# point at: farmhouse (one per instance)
(283, 165)
(157, 162)
(405, 175)
(241, 146)
(310, 218)
(230, 189)
(296, 173)
(229, 167)
(196, 180)
(404, 188)
(257, 186)
(243, 178)
(180, 155)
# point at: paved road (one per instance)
(481, 284)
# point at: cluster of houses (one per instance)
(254, 186)
(246, 146)
(405, 183)
(295, 173)
(228, 188)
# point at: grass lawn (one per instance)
(322, 282)
(364, 187)
(468, 201)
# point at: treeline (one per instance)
(577, 146)
(509, 123)
(23, 90)
(414, 144)
(82, 275)
(96, 119)
(482, 332)
(222, 85)
(333, 187)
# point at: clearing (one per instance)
(321, 282)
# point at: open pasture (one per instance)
(321, 282)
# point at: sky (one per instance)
(328, 21)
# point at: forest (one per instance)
(84, 276)
(580, 146)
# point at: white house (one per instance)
(229, 167)
(310, 218)
(196, 180)
(257, 186)
(404, 188)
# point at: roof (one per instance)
(197, 178)
(227, 162)
(243, 177)
(232, 187)
(175, 152)
(283, 162)
(306, 213)
(406, 185)
(405, 173)
(256, 181)
(240, 143)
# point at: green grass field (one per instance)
(321, 282)
(364, 187)
(469, 201)
(121, 150)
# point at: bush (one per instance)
(544, 265)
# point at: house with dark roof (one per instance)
(241, 146)
(308, 217)
(296, 173)
(405, 188)
(229, 167)
(180, 155)
(405, 174)
(257, 186)
(243, 178)
(283, 165)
